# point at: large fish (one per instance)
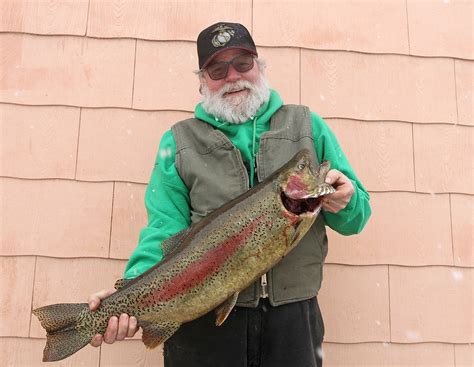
(205, 266)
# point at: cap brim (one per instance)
(253, 52)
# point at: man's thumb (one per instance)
(330, 177)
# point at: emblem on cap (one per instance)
(224, 35)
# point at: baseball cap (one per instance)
(223, 36)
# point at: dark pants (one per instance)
(266, 336)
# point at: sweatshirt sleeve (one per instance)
(167, 204)
(354, 216)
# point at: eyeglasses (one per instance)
(219, 70)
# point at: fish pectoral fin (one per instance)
(156, 333)
(300, 229)
(224, 309)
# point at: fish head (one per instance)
(302, 186)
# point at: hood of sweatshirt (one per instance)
(245, 136)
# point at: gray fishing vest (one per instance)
(213, 170)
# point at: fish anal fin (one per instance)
(156, 333)
(223, 311)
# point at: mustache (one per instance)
(235, 86)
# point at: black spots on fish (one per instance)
(223, 256)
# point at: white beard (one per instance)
(238, 109)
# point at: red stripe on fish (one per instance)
(196, 272)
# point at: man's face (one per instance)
(233, 75)
(237, 97)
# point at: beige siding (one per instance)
(367, 26)
(379, 87)
(87, 88)
(406, 228)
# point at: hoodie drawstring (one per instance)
(254, 138)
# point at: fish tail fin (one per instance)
(63, 337)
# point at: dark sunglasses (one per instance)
(219, 70)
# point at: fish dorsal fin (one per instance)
(156, 333)
(224, 309)
(119, 284)
(172, 243)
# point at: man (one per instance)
(241, 133)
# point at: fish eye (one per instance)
(301, 165)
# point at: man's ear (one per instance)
(202, 81)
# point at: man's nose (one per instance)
(232, 75)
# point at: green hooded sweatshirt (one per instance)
(167, 197)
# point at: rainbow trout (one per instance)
(204, 266)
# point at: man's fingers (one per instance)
(112, 328)
(93, 303)
(99, 295)
(330, 206)
(123, 325)
(332, 176)
(338, 200)
(118, 328)
(96, 340)
(132, 326)
(94, 299)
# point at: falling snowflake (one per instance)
(457, 275)
(165, 153)
(320, 352)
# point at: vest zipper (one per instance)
(263, 282)
(242, 165)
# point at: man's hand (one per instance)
(344, 190)
(118, 328)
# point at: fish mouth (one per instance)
(307, 205)
(302, 202)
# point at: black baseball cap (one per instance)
(223, 36)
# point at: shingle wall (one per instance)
(88, 87)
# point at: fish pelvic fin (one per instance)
(63, 337)
(156, 333)
(223, 311)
